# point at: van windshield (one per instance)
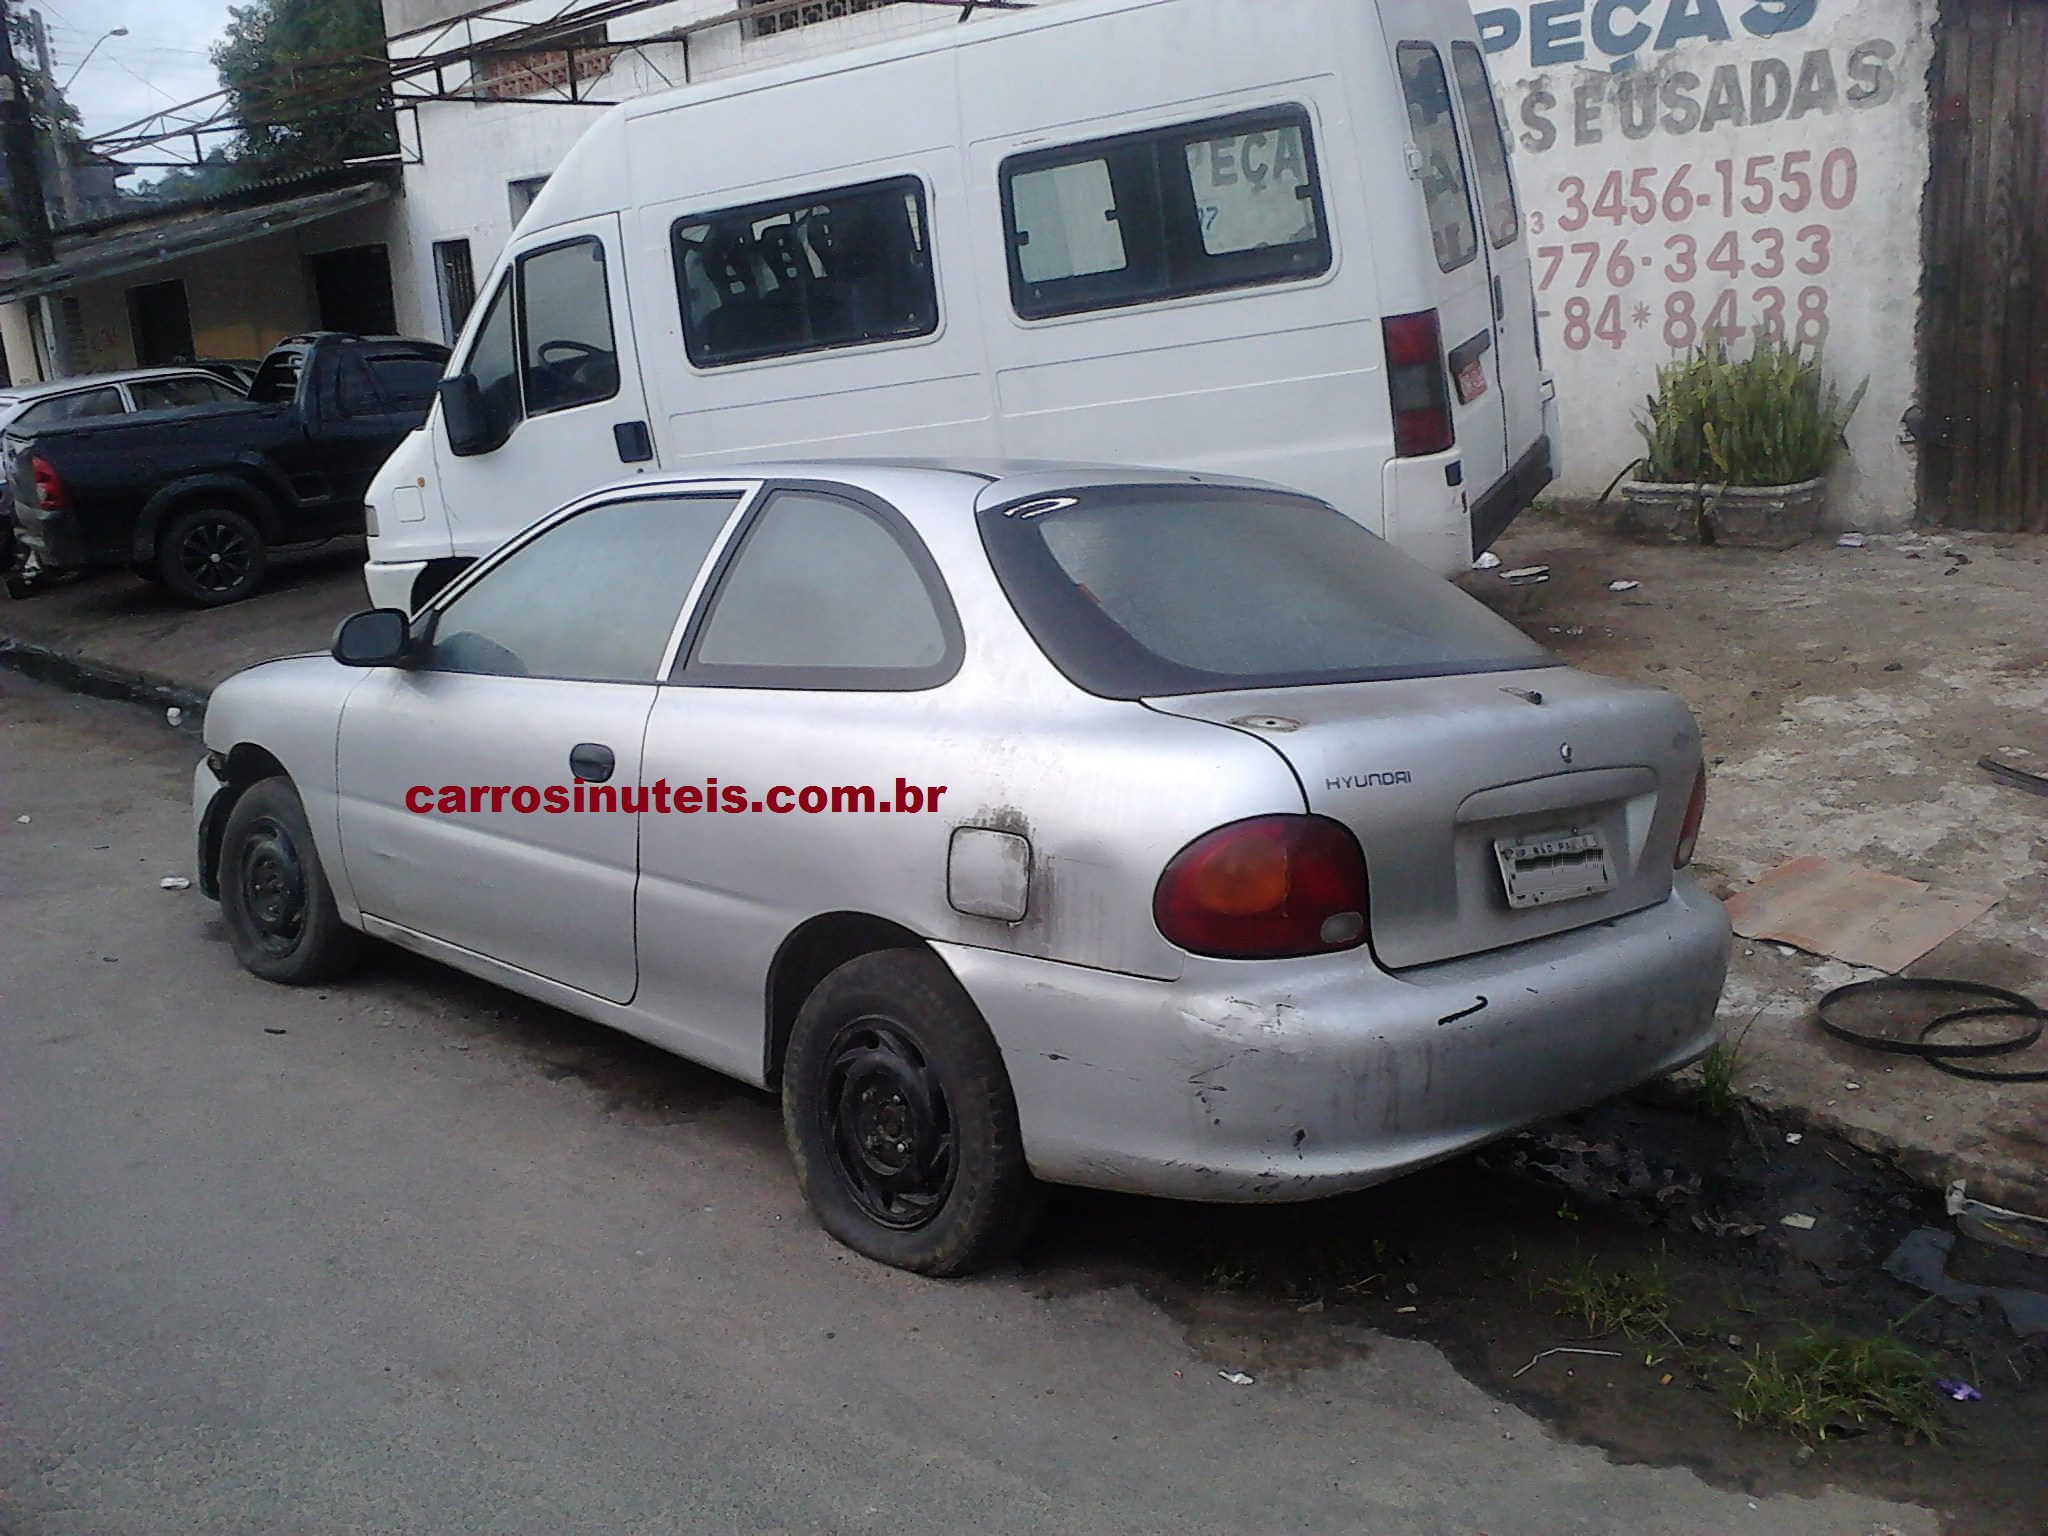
(1150, 591)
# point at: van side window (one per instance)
(844, 268)
(1199, 208)
(568, 355)
(493, 362)
(1489, 145)
(1435, 131)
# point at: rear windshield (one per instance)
(1149, 591)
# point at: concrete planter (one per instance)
(1744, 517)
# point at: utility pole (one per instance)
(25, 180)
(50, 99)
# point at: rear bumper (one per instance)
(1283, 1081)
(1506, 498)
(61, 543)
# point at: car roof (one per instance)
(984, 482)
(93, 380)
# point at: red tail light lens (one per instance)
(1417, 384)
(1689, 833)
(1265, 889)
(50, 495)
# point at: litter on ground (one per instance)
(175, 883)
(1844, 912)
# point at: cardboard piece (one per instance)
(1847, 913)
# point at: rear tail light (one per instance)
(50, 494)
(1689, 833)
(1264, 889)
(1417, 384)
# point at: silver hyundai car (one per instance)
(1021, 824)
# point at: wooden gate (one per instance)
(1984, 320)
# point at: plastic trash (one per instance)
(1487, 562)
(1961, 1391)
(1799, 1223)
(1236, 1378)
(1526, 576)
(175, 883)
(22, 819)
(174, 716)
(1623, 586)
(1851, 541)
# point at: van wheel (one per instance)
(280, 911)
(211, 555)
(901, 1122)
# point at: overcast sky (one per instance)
(160, 63)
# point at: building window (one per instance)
(521, 193)
(456, 280)
(787, 18)
(1209, 206)
(844, 268)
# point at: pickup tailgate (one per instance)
(1492, 808)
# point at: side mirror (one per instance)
(465, 417)
(376, 638)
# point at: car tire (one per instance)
(210, 555)
(274, 896)
(901, 1122)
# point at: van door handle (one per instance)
(592, 762)
(1500, 302)
(634, 442)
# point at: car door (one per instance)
(489, 791)
(813, 683)
(555, 361)
(1462, 284)
(379, 396)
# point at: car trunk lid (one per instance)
(1492, 808)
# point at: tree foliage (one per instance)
(306, 79)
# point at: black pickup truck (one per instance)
(197, 498)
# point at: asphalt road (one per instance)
(411, 1255)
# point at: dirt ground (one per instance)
(1845, 695)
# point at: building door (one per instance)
(352, 290)
(161, 324)
(1984, 326)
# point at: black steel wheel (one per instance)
(211, 555)
(901, 1121)
(280, 912)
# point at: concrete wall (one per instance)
(1722, 163)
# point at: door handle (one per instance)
(634, 442)
(592, 762)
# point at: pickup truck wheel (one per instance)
(280, 912)
(211, 555)
(901, 1121)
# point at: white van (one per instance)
(1275, 240)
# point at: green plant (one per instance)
(1820, 1382)
(1632, 1303)
(1772, 418)
(1719, 1069)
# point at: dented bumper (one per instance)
(1289, 1080)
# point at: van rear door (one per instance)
(1507, 252)
(1463, 282)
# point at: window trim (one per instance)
(687, 672)
(420, 627)
(1500, 132)
(1472, 213)
(518, 274)
(1283, 114)
(911, 181)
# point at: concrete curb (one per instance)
(78, 675)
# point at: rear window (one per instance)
(1444, 190)
(1150, 591)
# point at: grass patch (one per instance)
(1719, 1070)
(1633, 1303)
(1819, 1383)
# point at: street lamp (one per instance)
(116, 32)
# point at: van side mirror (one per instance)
(376, 638)
(464, 416)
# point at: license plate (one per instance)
(1557, 866)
